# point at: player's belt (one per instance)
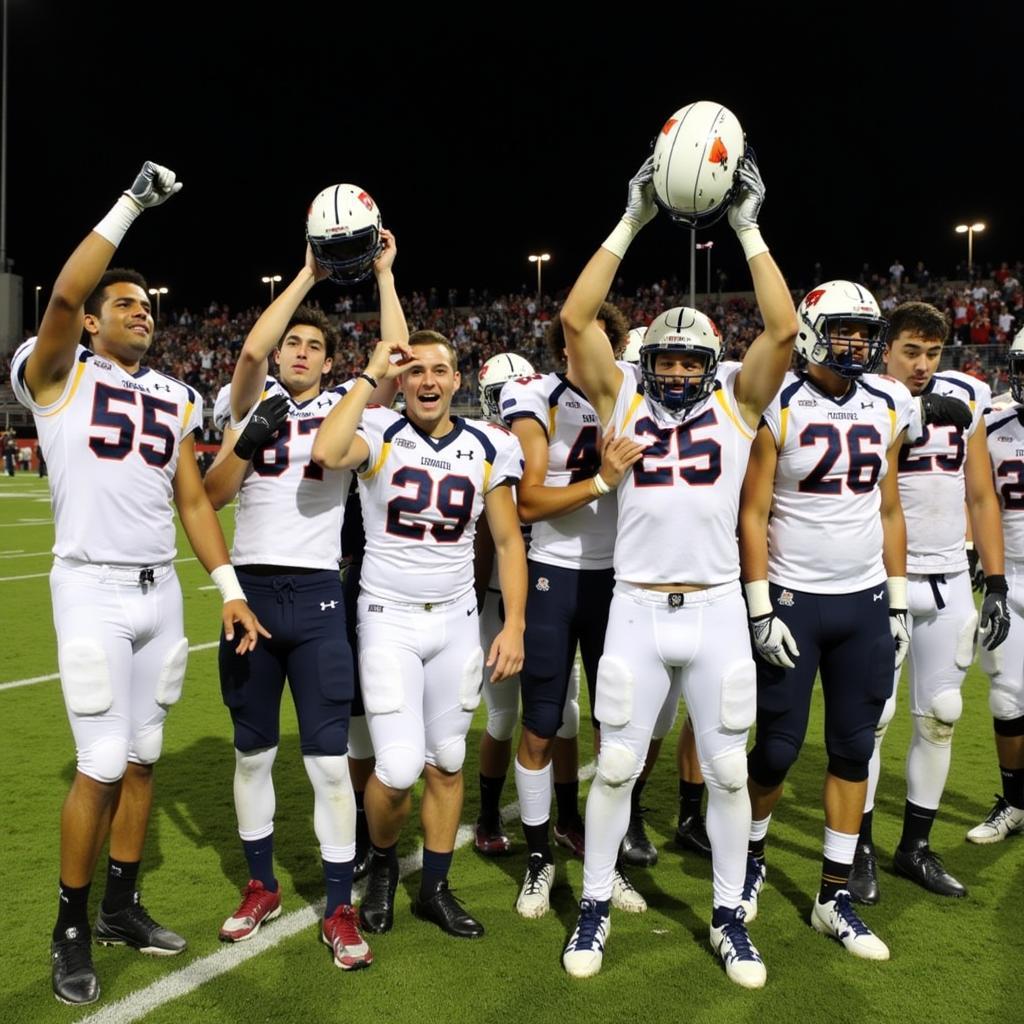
(675, 598)
(137, 575)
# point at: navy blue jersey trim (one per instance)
(889, 400)
(490, 452)
(1017, 414)
(526, 415)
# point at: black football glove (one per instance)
(264, 424)
(945, 411)
(995, 616)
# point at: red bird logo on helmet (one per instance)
(719, 154)
(813, 297)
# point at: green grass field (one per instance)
(951, 959)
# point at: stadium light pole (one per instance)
(39, 288)
(708, 246)
(540, 259)
(158, 292)
(968, 230)
(271, 280)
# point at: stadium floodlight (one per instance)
(271, 280)
(540, 259)
(969, 230)
(162, 290)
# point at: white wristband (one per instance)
(759, 601)
(227, 583)
(752, 242)
(897, 586)
(601, 486)
(619, 240)
(118, 220)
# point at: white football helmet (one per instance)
(680, 330)
(493, 376)
(343, 229)
(631, 353)
(832, 311)
(695, 158)
(1015, 367)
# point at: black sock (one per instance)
(755, 847)
(917, 824)
(338, 884)
(435, 869)
(122, 877)
(538, 841)
(389, 853)
(362, 829)
(691, 795)
(72, 910)
(634, 799)
(834, 876)
(490, 799)
(567, 798)
(1013, 786)
(865, 826)
(259, 855)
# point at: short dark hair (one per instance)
(311, 316)
(425, 337)
(921, 319)
(616, 326)
(116, 275)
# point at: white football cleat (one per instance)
(584, 951)
(625, 895)
(756, 874)
(535, 895)
(732, 945)
(1002, 821)
(838, 919)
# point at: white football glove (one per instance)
(771, 636)
(744, 209)
(897, 587)
(640, 205)
(153, 185)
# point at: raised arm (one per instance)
(51, 360)
(590, 353)
(769, 356)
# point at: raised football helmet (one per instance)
(493, 376)
(695, 158)
(631, 353)
(829, 317)
(680, 330)
(343, 229)
(1015, 366)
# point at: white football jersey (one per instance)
(584, 539)
(679, 504)
(1005, 428)
(290, 510)
(825, 530)
(421, 499)
(111, 442)
(932, 487)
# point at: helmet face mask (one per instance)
(1015, 368)
(493, 376)
(343, 229)
(841, 328)
(692, 338)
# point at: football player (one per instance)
(424, 479)
(291, 575)
(937, 472)
(1005, 666)
(119, 441)
(570, 588)
(827, 454)
(677, 621)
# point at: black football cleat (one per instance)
(637, 850)
(377, 911)
(132, 926)
(74, 977)
(923, 866)
(692, 835)
(863, 884)
(447, 913)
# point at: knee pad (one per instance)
(146, 746)
(991, 662)
(85, 674)
(334, 804)
(616, 764)
(888, 712)
(398, 767)
(449, 755)
(847, 769)
(965, 642)
(380, 676)
(1009, 727)
(472, 679)
(105, 760)
(727, 770)
(171, 679)
(948, 706)
(739, 695)
(502, 700)
(360, 746)
(255, 801)
(770, 760)
(1005, 698)
(614, 701)
(570, 727)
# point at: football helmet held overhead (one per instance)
(493, 376)
(343, 229)
(1015, 367)
(695, 158)
(841, 328)
(631, 353)
(687, 332)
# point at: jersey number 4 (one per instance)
(152, 427)
(453, 499)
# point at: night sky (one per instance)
(484, 144)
